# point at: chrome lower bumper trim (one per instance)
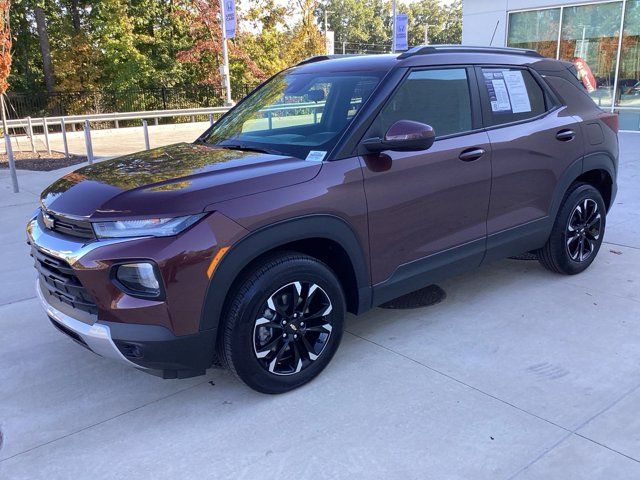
(96, 336)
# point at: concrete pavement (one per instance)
(518, 374)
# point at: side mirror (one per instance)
(403, 136)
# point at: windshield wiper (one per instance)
(243, 148)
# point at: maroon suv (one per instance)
(337, 185)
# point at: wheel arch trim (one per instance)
(590, 162)
(273, 236)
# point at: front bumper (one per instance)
(150, 348)
(96, 337)
(157, 337)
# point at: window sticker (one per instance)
(517, 91)
(507, 91)
(316, 156)
(500, 98)
(497, 89)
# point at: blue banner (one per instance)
(401, 31)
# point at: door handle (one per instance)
(565, 135)
(471, 154)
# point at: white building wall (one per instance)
(480, 17)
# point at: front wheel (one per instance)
(284, 323)
(577, 232)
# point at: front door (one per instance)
(428, 209)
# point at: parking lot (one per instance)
(518, 374)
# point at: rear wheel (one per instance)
(577, 232)
(284, 323)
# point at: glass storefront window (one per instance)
(536, 30)
(589, 38)
(628, 94)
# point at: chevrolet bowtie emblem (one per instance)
(48, 220)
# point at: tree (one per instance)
(117, 45)
(306, 39)
(5, 46)
(45, 49)
(266, 41)
(365, 25)
(203, 16)
(444, 22)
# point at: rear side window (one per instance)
(439, 98)
(510, 95)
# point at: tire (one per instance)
(253, 334)
(575, 241)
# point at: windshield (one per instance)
(295, 113)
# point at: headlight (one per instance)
(151, 227)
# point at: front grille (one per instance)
(70, 226)
(61, 281)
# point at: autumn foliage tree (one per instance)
(113, 46)
(5, 46)
(253, 56)
(203, 18)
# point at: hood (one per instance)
(180, 179)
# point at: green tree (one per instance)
(117, 45)
(365, 25)
(444, 22)
(306, 39)
(267, 38)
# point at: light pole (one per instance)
(326, 25)
(393, 30)
(225, 60)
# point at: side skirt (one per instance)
(425, 271)
(439, 266)
(518, 240)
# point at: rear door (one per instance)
(533, 141)
(424, 203)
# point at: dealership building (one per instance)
(603, 35)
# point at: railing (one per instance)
(45, 123)
(112, 117)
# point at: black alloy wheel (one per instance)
(293, 329)
(583, 230)
(283, 323)
(577, 232)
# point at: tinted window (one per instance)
(510, 95)
(439, 98)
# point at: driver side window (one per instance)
(439, 98)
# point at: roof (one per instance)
(422, 55)
(431, 49)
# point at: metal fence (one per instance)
(62, 104)
(32, 126)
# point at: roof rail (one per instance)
(427, 49)
(320, 58)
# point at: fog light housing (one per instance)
(139, 279)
